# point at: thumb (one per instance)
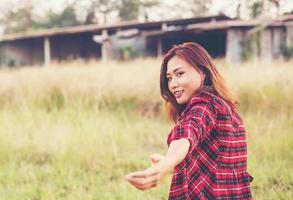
(155, 158)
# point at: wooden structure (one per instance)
(220, 35)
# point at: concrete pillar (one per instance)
(106, 46)
(47, 51)
(234, 52)
(289, 34)
(254, 41)
(159, 48)
(164, 27)
(266, 52)
(2, 57)
(278, 35)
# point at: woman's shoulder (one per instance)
(206, 95)
(206, 101)
(200, 101)
(216, 102)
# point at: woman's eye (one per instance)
(169, 79)
(180, 74)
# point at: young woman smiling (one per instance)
(207, 146)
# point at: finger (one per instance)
(138, 184)
(138, 181)
(148, 186)
(156, 158)
(143, 174)
(134, 183)
(145, 187)
(143, 182)
(135, 174)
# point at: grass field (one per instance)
(74, 130)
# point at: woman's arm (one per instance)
(161, 165)
(177, 152)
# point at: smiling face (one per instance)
(183, 79)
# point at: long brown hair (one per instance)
(200, 59)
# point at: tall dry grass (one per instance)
(73, 130)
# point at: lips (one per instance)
(178, 94)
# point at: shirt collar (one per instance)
(201, 93)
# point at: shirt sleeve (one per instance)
(196, 126)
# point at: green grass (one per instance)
(74, 131)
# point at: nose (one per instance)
(173, 84)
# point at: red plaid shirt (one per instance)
(216, 163)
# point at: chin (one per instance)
(181, 101)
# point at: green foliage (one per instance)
(256, 9)
(102, 8)
(18, 20)
(66, 18)
(287, 51)
(126, 52)
(251, 46)
(22, 20)
(129, 9)
(200, 7)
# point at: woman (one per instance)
(207, 146)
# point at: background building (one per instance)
(234, 39)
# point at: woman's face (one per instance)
(183, 79)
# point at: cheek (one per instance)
(194, 83)
(198, 79)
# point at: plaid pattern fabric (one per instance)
(216, 164)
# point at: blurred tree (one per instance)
(22, 19)
(132, 9)
(191, 8)
(146, 7)
(66, 18)
(200, 7)
(238, 10)
(129, 9)
(276, 3)
(18, 19)
(257, 8)
(91, 17)
(99, 10)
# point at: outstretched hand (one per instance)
(152, 176)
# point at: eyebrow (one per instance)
(174, 70)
